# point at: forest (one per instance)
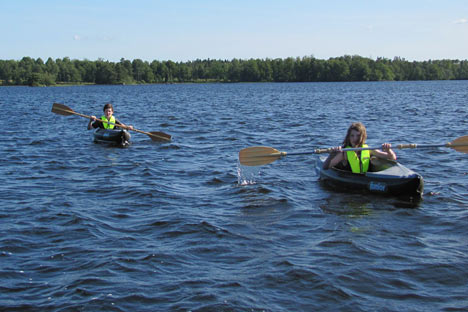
(36, 72)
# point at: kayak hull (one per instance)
(111, 137)
(387, 178)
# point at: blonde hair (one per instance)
(362, 131)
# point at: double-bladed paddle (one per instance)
(263, 155)
(67, 111)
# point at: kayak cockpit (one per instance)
(112, 137)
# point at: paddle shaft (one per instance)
(157, 135)
(65, 110)
(97, 119)
(329, 150)
(399, 146)
(111, 123)
(263, 155)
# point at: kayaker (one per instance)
(108, 116)
(356, 161)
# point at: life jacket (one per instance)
(359, 165)
(108, 125)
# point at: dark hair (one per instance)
(108, 105)
(359, 127)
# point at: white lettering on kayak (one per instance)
(376, 186)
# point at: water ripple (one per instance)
(182, 226)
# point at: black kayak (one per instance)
(117, 137)
(386, 177)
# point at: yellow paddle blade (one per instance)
(159, 136)
(460, 144)
(62, 109)
(259, 155)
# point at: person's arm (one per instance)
(91, 122)
(334, 158)
(118, 122)
(386, 152)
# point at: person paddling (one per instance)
(356, 161)
(108, 116)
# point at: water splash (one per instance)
(247, 175)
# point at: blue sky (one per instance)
(183, 30)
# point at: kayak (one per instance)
(119, 138)
(387, 178)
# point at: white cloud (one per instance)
(461, 21)
(105, 38)
(96, 38)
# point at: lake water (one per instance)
(180, 226)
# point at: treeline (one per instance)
(34, 72)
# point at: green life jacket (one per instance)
(108, 125)
(359, 166)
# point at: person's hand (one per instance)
(386, 147)
(130, 127)
(336, 149)
(93, 118)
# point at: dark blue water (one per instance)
(180, 227)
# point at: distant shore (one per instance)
(63, 72)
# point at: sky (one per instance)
(186, 30)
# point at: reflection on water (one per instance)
(364, 197)
(352, 206)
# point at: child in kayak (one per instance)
(356, 161)
(108, 116)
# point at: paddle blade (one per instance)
(62, 109)
(460, 144)
(159, 136)
(259, 155)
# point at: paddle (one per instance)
(263, 155)
(67, 111)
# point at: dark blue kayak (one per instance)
(386, 177)
(117, 137)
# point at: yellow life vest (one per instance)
(359, 165)
(108, 125)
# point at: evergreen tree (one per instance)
(28, 71)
